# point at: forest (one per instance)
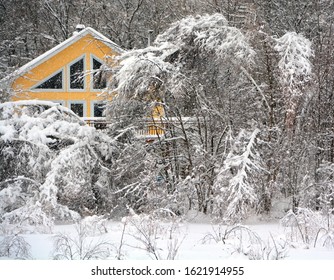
(247, 93)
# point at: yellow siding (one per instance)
(50, 64)
(85, 46)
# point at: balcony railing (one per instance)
(153, 128)
(97, 122)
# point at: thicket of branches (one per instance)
(251, 94)
(53, 167)
(254, 80)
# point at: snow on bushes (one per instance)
(80, 245)
(309, 228)
(15, 247)
(53, 166)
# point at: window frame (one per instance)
(83, 57)
(92, 57)
(62, 89)
(70, 102)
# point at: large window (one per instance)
(99, 80)
(54, 82)
(76, 75)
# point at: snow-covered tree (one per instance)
(295, 74)
(169, 68)
(295, 71)
(236, 186)
(212, 75)
(198, 71)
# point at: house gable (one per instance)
(52, 76)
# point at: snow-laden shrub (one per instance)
(302, 226)
(325, 237)
(160, 240)
(29, 218)
(15, 193)
(20, 208)
(146, 230)
(23, 158)
(80, 245)
(80, 180)
(309, 228)
(95, 225)
(14, 247)
(136, 183)
(242, 240)
(52, 166)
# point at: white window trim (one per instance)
(70, 102)
(35, 89)
(69, 74)
(92, 89)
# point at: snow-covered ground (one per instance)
(195, 247)
(144, 239)
(192, 246)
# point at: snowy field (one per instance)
(143, 238)
(192, 247)
(141, 243)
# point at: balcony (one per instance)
(152, 129)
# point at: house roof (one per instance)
(76, 36)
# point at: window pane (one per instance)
(55, 82)
(78, 108)
(96, 64)
(98, 110)
(76, 75)
(99, 81)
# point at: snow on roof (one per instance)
(97, 35)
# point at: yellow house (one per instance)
(68, 73)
